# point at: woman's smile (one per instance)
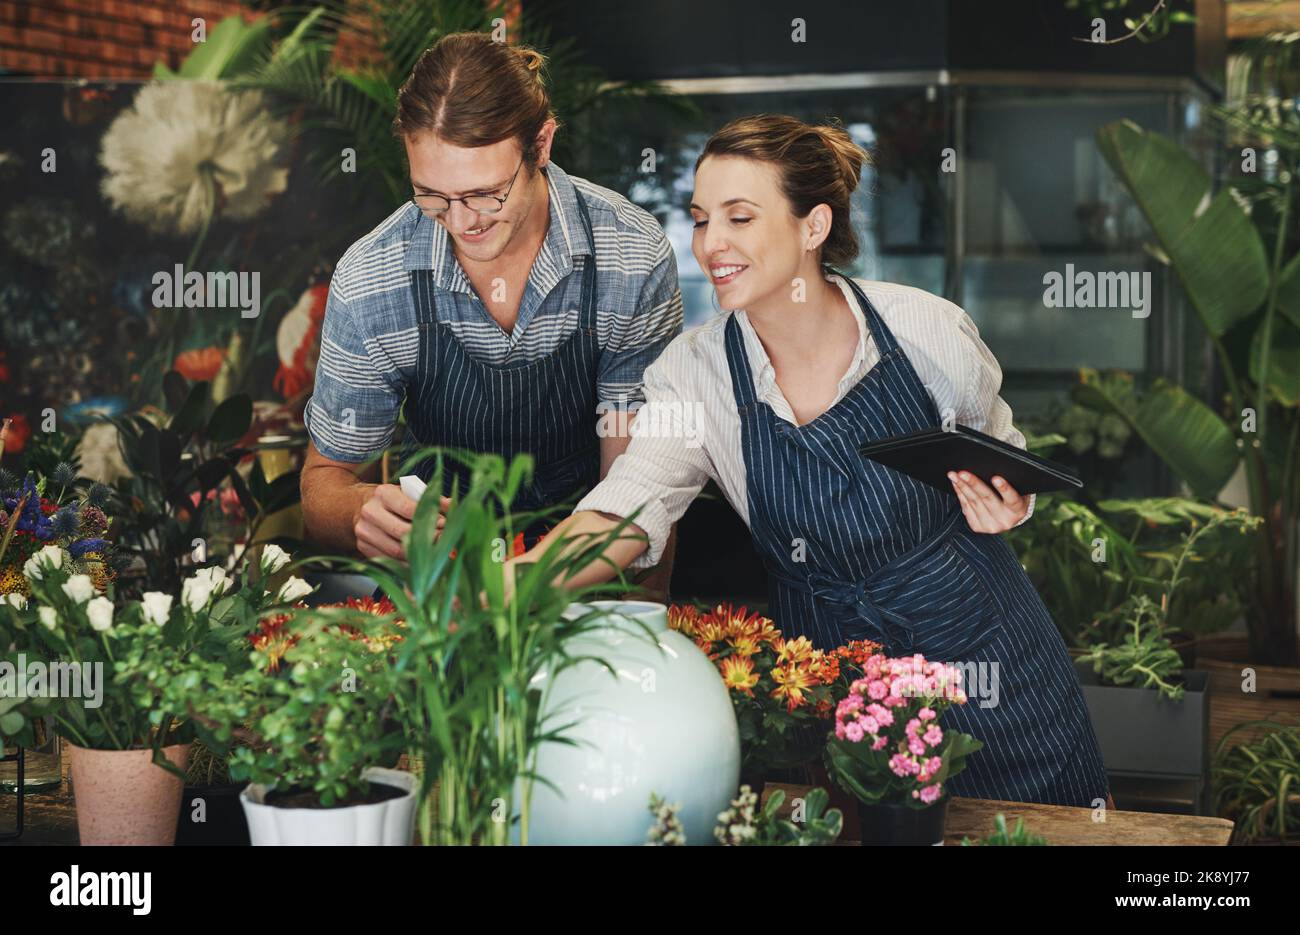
(725, 273)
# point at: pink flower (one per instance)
(854, 732)
(931, 793)
(877, 689)
(926, 714)
(933, 735)
(917, 746)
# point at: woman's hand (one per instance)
(986, 509)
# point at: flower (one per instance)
(49, 619)
(79, 588)
(157, 607)
(188, 148)
(14, 432)
(84, 547)
(738, 674)
(274, 559)
(292, 590)
(100, 613)
(202, 363)
(791, 684)
(198, 590)
(101, 458)
(48, 558)
(16, 600)
(296, 341)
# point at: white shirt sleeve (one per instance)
(980, 407)
(665, 465)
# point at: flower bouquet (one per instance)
(72, 654)
(783, 690)
(890, 752)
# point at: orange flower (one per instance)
(825, 667)
(201, 364)
(683, 618)
(794, 651)
(14, 432)
(791, 684)
(738, 674)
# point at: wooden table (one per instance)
(1060, 824)
(52, 819)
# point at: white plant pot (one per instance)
(388, 823)
(664, 724)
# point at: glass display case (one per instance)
(980, 186)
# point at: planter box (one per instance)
(1140, 731)
(1276, 695)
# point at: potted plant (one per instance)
(783, 691)
(478, 650)
(211, 814)
(1256, 781)
(299, 711)
(890, 753)
(1018, 836)
(126, 752)
(745, 822)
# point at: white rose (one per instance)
(196, 592)
(49, 619)
(16, 600)
(157, 607)
(79, 588)
(293, 589)
(274, 558)
(50, 556)
(216, 579)
(100, 612)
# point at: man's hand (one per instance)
(384, 520)
(988, 510)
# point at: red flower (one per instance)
(201, 364)
(14, 432)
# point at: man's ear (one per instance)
(545, 137)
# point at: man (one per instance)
(509, 306)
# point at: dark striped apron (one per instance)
(545, 407)
(855, 550)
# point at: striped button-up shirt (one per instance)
(688, 431)
(370, 336)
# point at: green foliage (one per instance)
(744, 823)
(1246, 294)
(341, 107)
(469, 674)
(1001, 837)
(1257, 784)
(1143, 656)
(179, 463)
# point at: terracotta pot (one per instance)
(123, 798)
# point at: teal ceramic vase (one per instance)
(661, 723)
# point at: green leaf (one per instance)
(1283, 361)
(1217, 253)
(1288, 291)
(190, 415)
(11, 723)
(232, 47)
(1188, 435)
(231, 419)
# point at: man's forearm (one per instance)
(331, 499)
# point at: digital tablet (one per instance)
(930, 455)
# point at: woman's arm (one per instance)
(652, 482)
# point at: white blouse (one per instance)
(688, 430)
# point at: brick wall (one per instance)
(113, 38)
(101, 38)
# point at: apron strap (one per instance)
(880, 333)
(587, 317)
(742, 380)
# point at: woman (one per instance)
(773, 400)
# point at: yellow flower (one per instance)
(791, 683)
(738, 674)
(13, 581)
(793, 651)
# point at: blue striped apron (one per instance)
(545, 407)
(855, 550)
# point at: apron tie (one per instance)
(864, 599)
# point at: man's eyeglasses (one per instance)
(436, 205)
